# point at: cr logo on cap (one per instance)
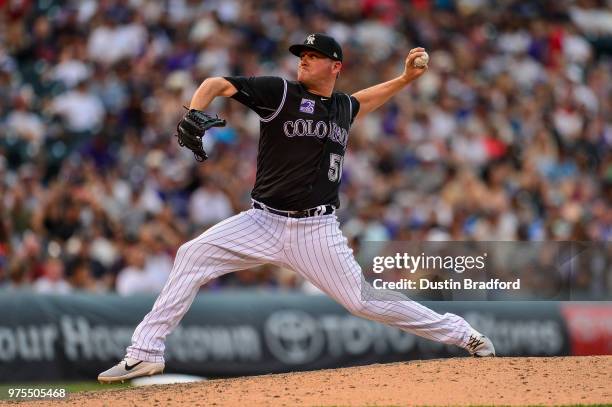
(310, 39)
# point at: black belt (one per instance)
(306, 213)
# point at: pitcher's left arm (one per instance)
(375, 96)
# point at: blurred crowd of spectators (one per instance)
(507, 136)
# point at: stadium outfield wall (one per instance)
(74, 337)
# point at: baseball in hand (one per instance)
(421, 62)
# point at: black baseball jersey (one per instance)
(303, 138)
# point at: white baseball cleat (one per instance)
(479, 345)
(129, 368)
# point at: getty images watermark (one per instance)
(486, 270)
(450, 264)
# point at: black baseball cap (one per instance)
(325, 44)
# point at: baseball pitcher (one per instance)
(304, 131)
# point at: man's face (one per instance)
(315, 67)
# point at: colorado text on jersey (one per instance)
(320, 129)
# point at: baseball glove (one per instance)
(191, 129)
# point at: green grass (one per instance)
(71, 387)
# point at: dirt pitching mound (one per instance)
(458, 381)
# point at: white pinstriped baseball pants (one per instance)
(314, 247)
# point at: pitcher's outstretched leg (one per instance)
(320, 252)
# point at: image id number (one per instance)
(36, 393)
